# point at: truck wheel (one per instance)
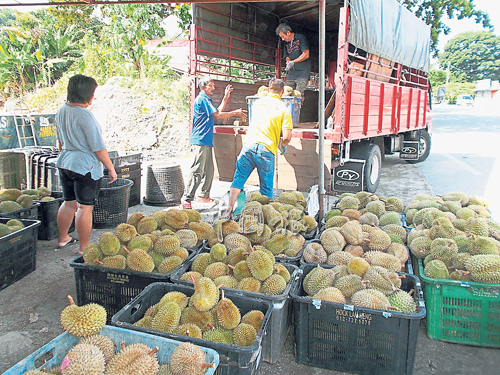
(425, 147)
(373, 168)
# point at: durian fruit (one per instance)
(115, 261)
(103, 342)
(224, 227)
(260, 265)
(141, 261)
(444, 249)
(396, 230)
(372, 299)
(203, 230)
(147, 225)
(249, 284)
(314, 253)
(399, 251)
(169, 264)
(9, 206)
(318, 278)
(332, 213)
(349, 284)
(82, 321)
(330, 294)
(254, 317)
(477, 226)
(483, 263)
(109, 243)
(193, 215)
(190, 276)
(403, 302)
(135, 359)
(241, 270)
(215, 270)
(348, 202)
(167, 244)
(390, 217)
(91, 254)
(218, 252)
(336, 221)
(352, 232)
(189, 359)
(189, 329)
(227, 281)
(236, 255)
(206, 294)
(376, 207)
(187, 237)
(339, 258)
(378, 278)
(228, 314)
(358, 266)
(277, 243)
(201, 262)
(332, 240)
(369, 219)
(167, 318)
(388, 261)
(236, 240)
(176, 219)
(219, 334)
(274, 284)
(394, 204)
(244, 335)
(351, 214)
(460, 275)
(436, 269)
(379, 240)
(83, 359)
(484, 245)
(421, 246)
(125, 232)
(203, 319)
(143, 242)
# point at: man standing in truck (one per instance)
(202, 134)
(296, 53)
(272, 117)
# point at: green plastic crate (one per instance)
(462, 312)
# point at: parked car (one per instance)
(466, 100)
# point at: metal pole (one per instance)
(321, 152)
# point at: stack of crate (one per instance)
(128, 165)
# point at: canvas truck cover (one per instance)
(387, 29)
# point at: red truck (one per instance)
(376, 87)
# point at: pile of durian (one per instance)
(14, 199)
(455, 237)
(359, 284)
(288, 91)
(362, 226)
(95, 353)
(157, 243)
(203, 316)
(236, 264)
(278, 226)
(11, 226)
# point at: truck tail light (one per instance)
(336, 149)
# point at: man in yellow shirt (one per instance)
(271, 118)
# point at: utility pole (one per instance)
(447, 78)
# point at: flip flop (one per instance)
(70, 242)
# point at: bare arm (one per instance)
(103, 156)
(236, 113)
(287, 137)
(227, 94)
(304, 56)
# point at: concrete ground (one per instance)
(30, 308)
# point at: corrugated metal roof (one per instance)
(28, 3)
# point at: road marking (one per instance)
(462, 164)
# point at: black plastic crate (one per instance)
(135, 176)
(353, 339)
(28, 213)
(279, 323)
(123, 169)
(234, 360)
(18, 252)
(47, 214)
(110, 287)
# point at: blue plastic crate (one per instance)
(52, 353)
(291, 102)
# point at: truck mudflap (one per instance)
(410, 150)
(349, 177)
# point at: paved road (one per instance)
(465, 153)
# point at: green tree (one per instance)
(476, 54)
(7, 16)
(129, 26)
(432, 12)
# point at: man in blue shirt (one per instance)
(202, 134)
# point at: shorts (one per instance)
(77, 187)
(254, 156)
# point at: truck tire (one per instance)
(425, 147)
(373, 168)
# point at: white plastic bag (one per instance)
(313, 201)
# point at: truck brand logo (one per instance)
(409, 150)
(348, 174)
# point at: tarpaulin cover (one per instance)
(387, 29)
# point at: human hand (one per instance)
(283, 149)
(228, 90)
(240, 113)
(112, 175)
(289, 65)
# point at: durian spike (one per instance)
(71, 300)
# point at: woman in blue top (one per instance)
(80, 163)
